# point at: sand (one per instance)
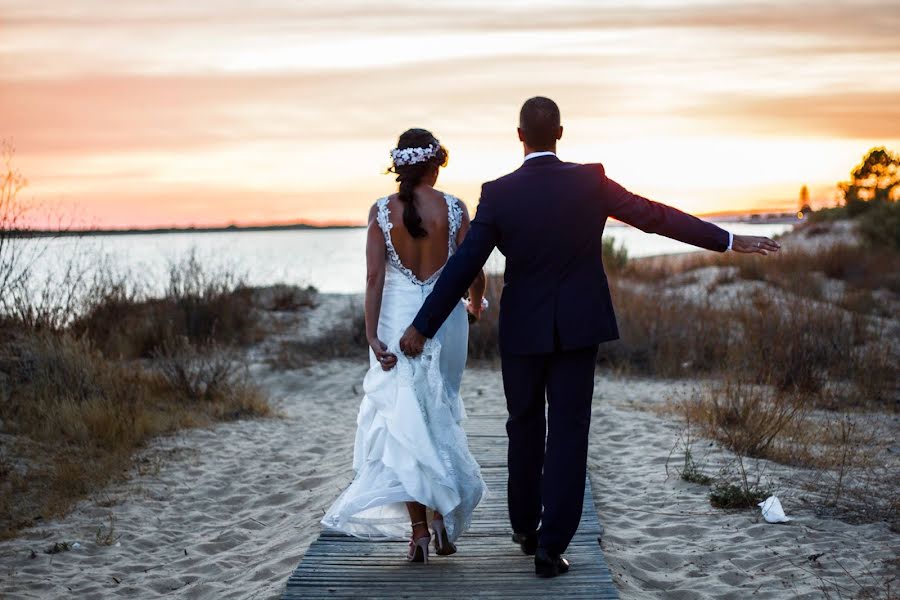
(224, 512)
(662, 538)
(228, 511)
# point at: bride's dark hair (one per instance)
(410, 176)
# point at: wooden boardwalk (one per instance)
(488, 564)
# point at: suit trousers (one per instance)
(548, 454)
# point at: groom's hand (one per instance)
(412, 343)
(753, 244)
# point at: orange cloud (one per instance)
(207, 112)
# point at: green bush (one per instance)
(880, 224)
(614, 257)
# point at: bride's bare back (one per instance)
(390, 246)
(423, 256)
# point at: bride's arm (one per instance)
(376, 253)
(476, 290)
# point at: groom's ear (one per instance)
(559, 133)
(521, 134)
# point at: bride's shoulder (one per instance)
(380, 203)
(454, 200)
(377, 208)
(458, 209)
(386, 201)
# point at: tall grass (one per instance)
(802, 348)
(809, 321)
(76, 416)
(203, 307)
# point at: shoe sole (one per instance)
(548, 572)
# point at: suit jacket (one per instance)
(547, 218)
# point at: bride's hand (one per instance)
(387, 360)
(474, 311)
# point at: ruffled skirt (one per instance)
(410, 445)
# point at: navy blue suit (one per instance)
(547, 219)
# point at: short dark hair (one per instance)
(539, 121)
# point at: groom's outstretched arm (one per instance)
(460, 270)
(655, 217)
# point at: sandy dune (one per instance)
(228, 514)
(663, 540)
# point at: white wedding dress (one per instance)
(410, 445)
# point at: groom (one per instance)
(547, 218)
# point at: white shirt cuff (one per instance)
(730, 240)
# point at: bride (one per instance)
(411, 453)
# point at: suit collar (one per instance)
(544, 159)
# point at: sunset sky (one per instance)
(164, 112)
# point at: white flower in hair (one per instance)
(411, 156)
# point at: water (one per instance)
(332, 260)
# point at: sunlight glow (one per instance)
(286, 111)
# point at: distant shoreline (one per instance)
(164, 230)
(768, 219)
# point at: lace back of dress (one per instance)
(454, 216)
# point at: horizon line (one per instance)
(314, 225)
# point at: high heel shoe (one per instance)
(442, 544)
(418, 547)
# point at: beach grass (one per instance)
(83, 392)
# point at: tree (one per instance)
(876, 180)
(12, 213)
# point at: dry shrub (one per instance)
(795, 343)
(746, 419)
(285, 298)
(49, 302)
(665, 337)
(860, 266)
(858, 478)
(207, 308)
(484, 342)
(210, 306)
(13, 267)
(76, 417)
(61, 389)
(789, 337)
(849, 465)
(795, 348)
(345, 337)
(214, 376)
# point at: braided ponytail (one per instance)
(410, 175)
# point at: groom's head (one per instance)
(539, 126)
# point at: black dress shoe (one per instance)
(527, 541)
(548, 564)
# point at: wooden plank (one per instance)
(488, 564)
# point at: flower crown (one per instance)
(412, 156)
